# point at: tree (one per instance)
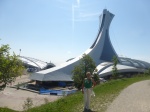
(79, 73)
(147, 72)
(114, 69)
(96, 77)
(10, 66)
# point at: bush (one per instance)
(45, 100)
(27, 104)
(96, 78)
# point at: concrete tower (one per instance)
(100, 51)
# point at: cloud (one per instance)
(87, 17)
(77, 15)
(78, 2)
(73, 12)
(84, 15)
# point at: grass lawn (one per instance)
(105, 94)
(6, 110)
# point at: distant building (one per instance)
(34, 65)
(101, 52)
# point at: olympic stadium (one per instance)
(102, 53)
(34, 65)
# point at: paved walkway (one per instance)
(135, 98)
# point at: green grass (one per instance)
(6, 110)
(105, 94)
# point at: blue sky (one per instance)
(56, 30)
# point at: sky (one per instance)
(57, 30)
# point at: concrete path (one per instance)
(135, 98)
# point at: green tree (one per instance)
(10, 66)
(147, 72)
(96, 77)
(114, 69)
(79, 73)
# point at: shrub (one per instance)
(27, 104)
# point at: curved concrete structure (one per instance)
(101, 52)
(35, 63)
